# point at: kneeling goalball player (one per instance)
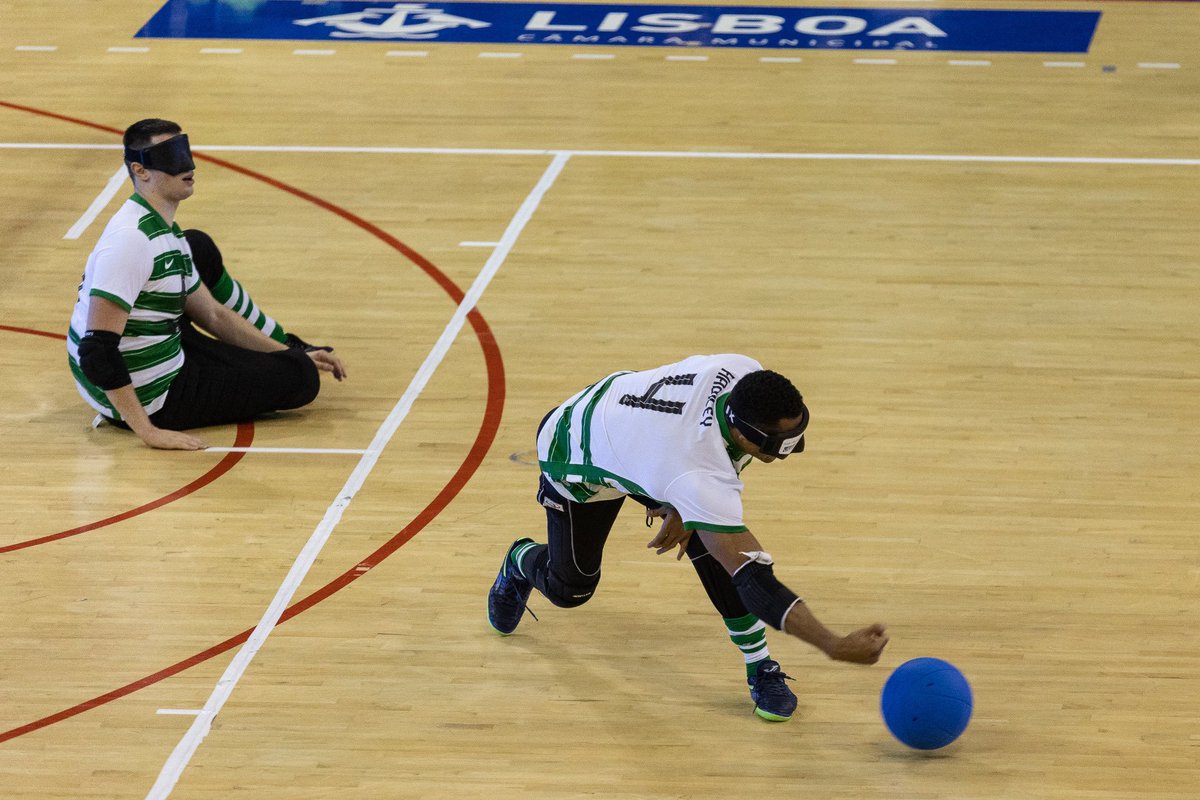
(676, 439)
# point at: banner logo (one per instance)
(394, 22)
(582, 24)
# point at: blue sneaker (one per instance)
(509, 594)
(773, 700)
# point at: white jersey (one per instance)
(660, 433)
(144, 266)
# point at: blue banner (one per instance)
(630, 25)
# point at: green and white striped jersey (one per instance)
(660, 433)
(145, 266)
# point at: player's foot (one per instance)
(509, 594)
(296, 343)
(773, 700)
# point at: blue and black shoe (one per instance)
(509, 594)
(773, 700)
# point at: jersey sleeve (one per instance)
(122, 267)
(707, 501)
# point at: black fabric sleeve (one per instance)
(101, 360)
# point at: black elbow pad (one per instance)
(762, 593)
(101, 361)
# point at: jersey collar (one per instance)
(736, 453)
(141, 201)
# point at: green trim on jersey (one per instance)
(560, 444)
(708, 526)
(164, 302)
(153, 355)
(139, 327)
(152, 224)
(735, 453)
(591, 474)
(585, 439)
(112, 298)
(95, 392)
(172, 262)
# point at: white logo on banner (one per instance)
(401, 21)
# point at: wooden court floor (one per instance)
(983, 278)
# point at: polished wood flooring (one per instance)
(1002, 359)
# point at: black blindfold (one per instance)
(173, 156)
(781, 444)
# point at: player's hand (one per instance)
(327, 361)
(861, 647)
(670, 533)
(163, 439)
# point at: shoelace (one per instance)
(509, 599)
(771, 682)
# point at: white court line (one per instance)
(593, 56)
(1156, 65)
(686, 58)
(780, 60)
(184, 712)
(129, 49)
(498, 151)
(305, 52)
(183, 752)
(501, 55)
(408, 53)
(316, 450)
(969, 63)
(874, 61)
(1064, 64)
(478, 244)
(111, 188)
(222, 50)
(36, 48)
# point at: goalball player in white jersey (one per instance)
(676, 439)
(132, 349)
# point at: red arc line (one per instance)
(245, 435)
(488, 427)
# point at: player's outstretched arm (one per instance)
(778, 606)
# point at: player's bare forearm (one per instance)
(863, 646)
(226, 324)
(736, 550)
(801, 623)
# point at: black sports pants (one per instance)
(567, 570)
(221, 383)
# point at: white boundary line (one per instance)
(106, 194)
(178, 760)
(485, 151)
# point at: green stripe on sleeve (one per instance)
(112, 298)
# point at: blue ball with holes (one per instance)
(926, 703)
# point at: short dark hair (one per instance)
(765, 397)
(139, 134)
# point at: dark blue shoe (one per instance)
(509, 594)
(773, 700)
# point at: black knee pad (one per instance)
(206, 256)
(565, 594)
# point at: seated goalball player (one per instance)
(676, 439)
(133, 351)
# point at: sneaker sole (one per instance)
(497, 630)
(769, 717)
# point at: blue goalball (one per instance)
(926, 703)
